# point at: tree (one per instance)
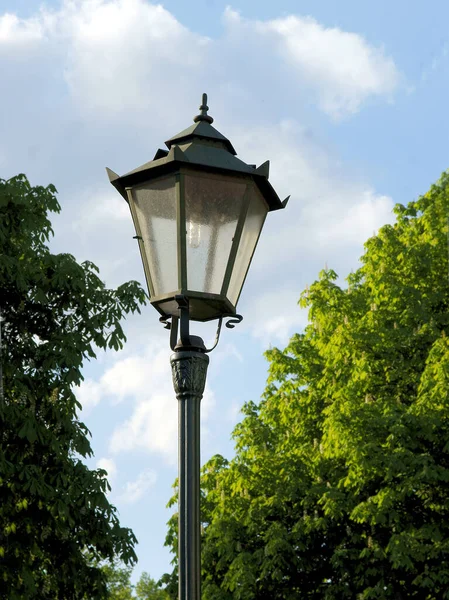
(119, 586)
(54, 514)
(118, 581)
(148, 589)
(339, 486)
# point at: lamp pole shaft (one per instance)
(189, 369)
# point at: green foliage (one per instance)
(119, 586)
(339, 487)
(148, 589)
(118, 580)
(53, 509)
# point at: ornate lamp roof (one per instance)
(199, 146)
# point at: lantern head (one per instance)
(198, 212)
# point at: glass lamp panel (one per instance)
(255, 217)
(213, 207)
(155, 209)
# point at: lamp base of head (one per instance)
(202, 307)
(196, 344)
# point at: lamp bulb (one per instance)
(193, 234)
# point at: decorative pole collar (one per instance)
(203, 116)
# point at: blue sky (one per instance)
(347, 99)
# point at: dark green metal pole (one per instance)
(189, 369)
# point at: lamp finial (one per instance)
(203, 116)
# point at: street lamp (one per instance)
(198, 212)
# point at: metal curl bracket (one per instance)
(181, 322)
(165, 320)
(233, 321)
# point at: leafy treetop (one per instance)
(339, 486)
(56, 312)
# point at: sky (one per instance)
(348, 100)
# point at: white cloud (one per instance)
(233, 411)
(129, 376)
(88, 394)
(225, 350)
(130, 58)
(328, 218)
(112, 57)
(15, 31)
(120, 51)
(439, 58)
(145, 380)
(107, 206)
(153, 424)
(356, 224)
(342, 67)
(273, 315)
(108, 464)
(134, 376)
(133, 491)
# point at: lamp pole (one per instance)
(189, 368)
(189, 363)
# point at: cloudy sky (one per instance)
(348, 100)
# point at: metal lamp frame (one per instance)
(200, 149)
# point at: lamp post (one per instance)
(198, 212)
